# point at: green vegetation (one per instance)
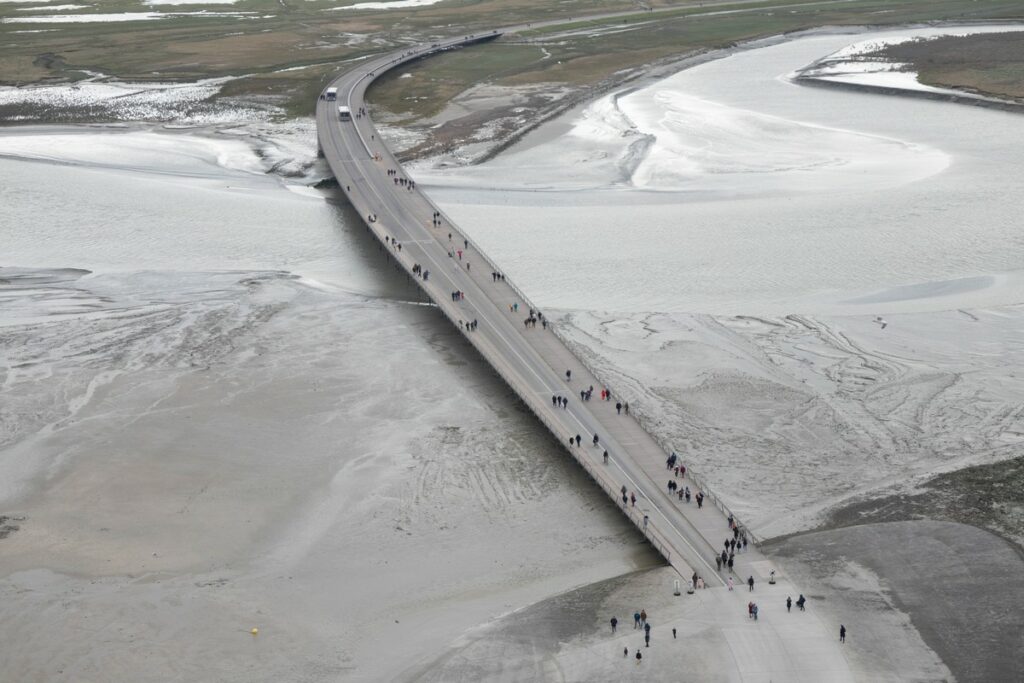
(989, 63)
(588, 53)
(284, 34)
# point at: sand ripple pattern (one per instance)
(790, 416)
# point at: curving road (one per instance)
(532, 360)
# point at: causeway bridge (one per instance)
(533, 360)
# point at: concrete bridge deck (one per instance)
(532, 360)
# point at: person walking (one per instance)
(625, 407)
(625, 652)
(801, 602)
(673, 634)
(636, 620)
(596, 439)
(730, 583)
(643, 617)
(755, 611)
(789, 604)
(568, 375)
(579, 439)
(632, 498)
(615, 623)
(647, 639)
(842, 633)
(647, 628)
(618, 408)
(606, 457)
(718, 562)
(645, 523)
(750, 583)
(639, 656)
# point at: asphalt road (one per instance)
(524, 357)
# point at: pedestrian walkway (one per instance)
(463, 283)
(624, 430)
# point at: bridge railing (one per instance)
(529, 398)
(666, 446)
(639, 416)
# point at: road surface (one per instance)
(532, 360)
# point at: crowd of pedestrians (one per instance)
(733, 545)
(641, 624)
(560, 401)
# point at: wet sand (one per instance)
(190, 456)
(957, 585)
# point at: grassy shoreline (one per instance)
(989, 64)
(283, 54)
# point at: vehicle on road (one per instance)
(344, 114)
(332, 94)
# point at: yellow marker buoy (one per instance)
(254, 631)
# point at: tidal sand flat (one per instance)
(189, 456)
(225, 414)
(727, 188)
(833, 292)
(230, 414)
(789, 417)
